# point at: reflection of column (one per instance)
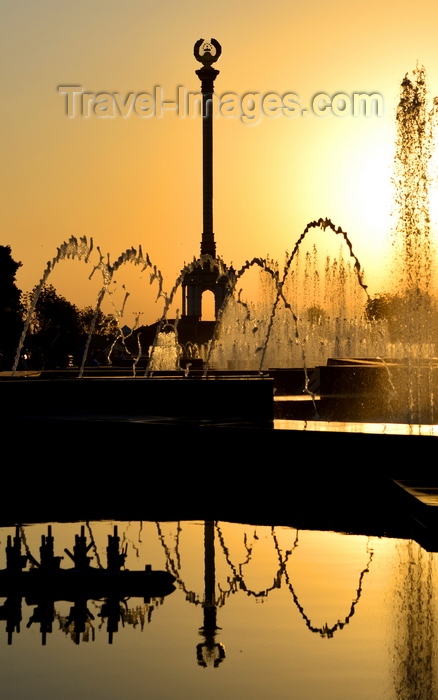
(209, 652)
(209, 578)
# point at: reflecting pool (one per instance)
(256, 612)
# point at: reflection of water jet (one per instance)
(415, 655)
(209, 652)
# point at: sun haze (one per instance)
(126, 175)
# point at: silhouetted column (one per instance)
(207, 75)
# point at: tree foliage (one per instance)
(58, 330)
(104, 325)
(54, 327)
(11, 308)
(409, 318)
(53, 314)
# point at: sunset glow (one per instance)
(136, 179)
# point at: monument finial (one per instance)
(206, 57)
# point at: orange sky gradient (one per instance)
(137, 181)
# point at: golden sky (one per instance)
(136, 180)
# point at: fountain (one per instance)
(199, 410)
(375, 358)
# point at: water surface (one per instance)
(298, 614)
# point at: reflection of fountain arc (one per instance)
(21, 531)
(93, 543)
(126, 540)
(175, 568)
(325, 630)
(237, 582)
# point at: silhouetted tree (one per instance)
(11, 309)
(55, 327)
(316, 315)
(105, 325)
(396, 312)
(104, 333)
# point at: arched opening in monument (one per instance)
(208, 306)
